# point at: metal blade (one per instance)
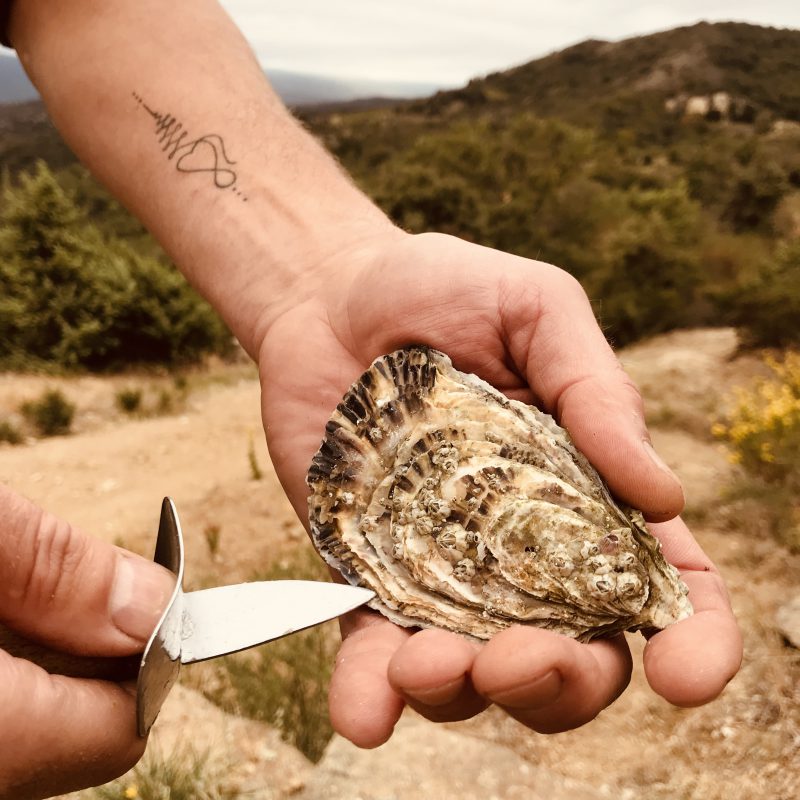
(227, 619)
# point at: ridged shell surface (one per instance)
(465, 510)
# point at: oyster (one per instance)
(465, 510)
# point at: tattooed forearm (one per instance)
(204, 154)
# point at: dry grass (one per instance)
(99, 397)
(743, 746)
(184, 774)
(283, 683)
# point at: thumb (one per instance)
(571, 367)
(73, 592)
(604, 415)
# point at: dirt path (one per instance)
(110, 478)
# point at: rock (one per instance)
(787, 621)
(251, 755)
(239, 757)
(423, 760)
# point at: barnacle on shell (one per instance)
(465, 510)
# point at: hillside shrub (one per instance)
(51, 414)
(755, 195)
(766, 308)
(762, 431)
(129, 400)
(651, 280)
(10, 433)
(763, 427)
(74, 298)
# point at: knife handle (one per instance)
(73, 666)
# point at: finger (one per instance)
(431, 671)
(57, 662)
(59, 734)
(74, 592)
(363, 706)
(549, 682)
(555, 341)
(691, 662)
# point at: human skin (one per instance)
(78, 595)
(315, 282)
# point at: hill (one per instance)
(758, 65)
(598, 84)
(736, 71)
(663, 171)
(26, 133)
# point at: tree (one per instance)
(71, 297)
(767, 307)
(651, 280)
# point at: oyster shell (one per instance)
(465, 510)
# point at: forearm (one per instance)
(166, 105)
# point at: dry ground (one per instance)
(110, 476)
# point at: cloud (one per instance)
(449, 41)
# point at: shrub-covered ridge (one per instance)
(74, 297)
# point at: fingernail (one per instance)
(139, 595)
(658, 461)
(535, 694)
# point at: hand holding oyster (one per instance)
(465, 510)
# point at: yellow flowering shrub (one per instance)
(762, 429)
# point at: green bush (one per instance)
(72, 297)
(51, 414)
(212, 534)
(651, 281)
(767, 307)
(166, 402)
(256, 472)
(129, 400)
(10, 433)
(755, 194)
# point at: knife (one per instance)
(215, 622)
(204, 624)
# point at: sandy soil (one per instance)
(110, 476)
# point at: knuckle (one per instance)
(560, 282)
(52, 554)
(631, 391)
(568, 284)
(520, 303)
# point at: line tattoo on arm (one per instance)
(204, 154)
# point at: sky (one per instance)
(447, 42)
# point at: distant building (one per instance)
(714, 106)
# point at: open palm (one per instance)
(528, 329)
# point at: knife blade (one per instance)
(227, 619)
(208, 623)
(198, 625)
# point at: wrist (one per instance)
(319, 265)
(244, 201)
